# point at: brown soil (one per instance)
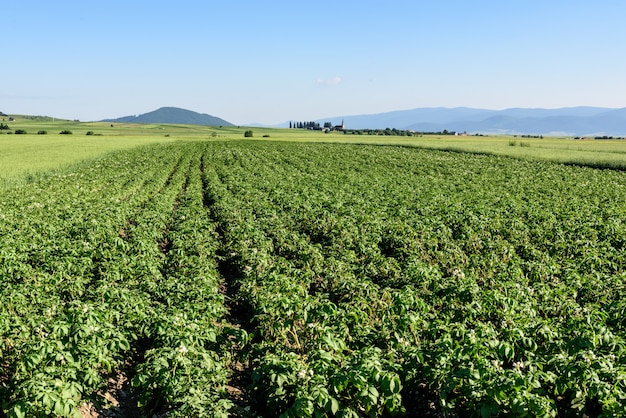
(118, 401)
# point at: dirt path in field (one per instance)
(118, 400)
(238, 315)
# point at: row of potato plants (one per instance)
(383, 279)
(56, 341)
(106, 268)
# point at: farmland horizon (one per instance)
(285, 119)
(564, 121)
(34, 146)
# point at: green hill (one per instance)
(173, 115)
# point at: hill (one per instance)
(173, 115)
(574, 121)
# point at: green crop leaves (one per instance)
(295, 280)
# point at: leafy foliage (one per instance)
(346, 280)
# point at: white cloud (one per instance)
(329, 82)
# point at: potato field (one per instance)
(266, 279)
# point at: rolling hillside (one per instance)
(173, 115)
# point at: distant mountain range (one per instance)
(581, 121)
(173, 115)
(571, 121)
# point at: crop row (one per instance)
(260, 279)
(100, 276)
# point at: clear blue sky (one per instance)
(272, 61)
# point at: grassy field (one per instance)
(24, 157)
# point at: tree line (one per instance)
(308, 125)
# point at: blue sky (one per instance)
(273, 61)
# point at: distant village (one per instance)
(315, 126)
(329, 127)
